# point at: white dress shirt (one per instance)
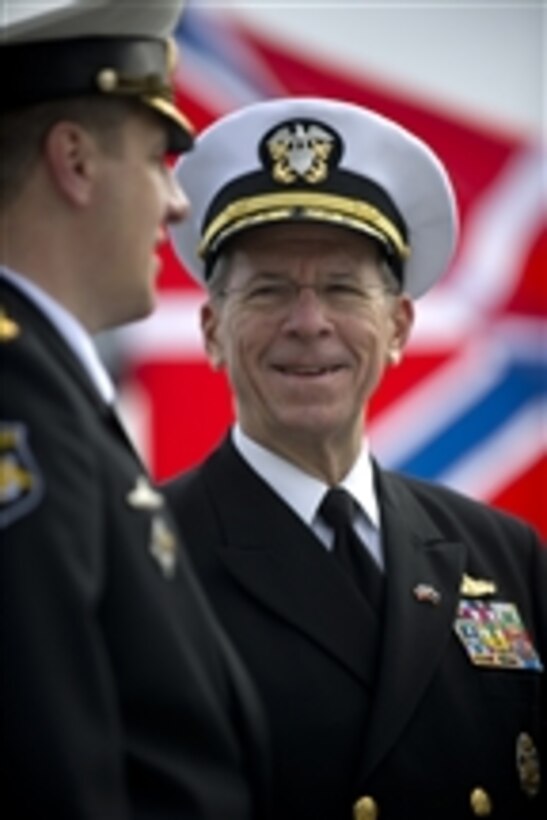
(304, 493)
(72, 331)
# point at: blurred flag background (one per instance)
(468, 406)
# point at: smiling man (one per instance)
(304, 316)
(397, 631)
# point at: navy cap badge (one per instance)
(300, 150)
(21, 483)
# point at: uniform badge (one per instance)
(300, 150)
(143, 496)
(163, 546)
(21, 483)
(426, 594)
(476, 587)
(528, 766)
(9, 329)
(493, 634)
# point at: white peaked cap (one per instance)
(319, 160)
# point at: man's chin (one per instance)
(310, 426)
(135, 313)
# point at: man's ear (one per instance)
(209, 318)
(71, 153)
(402, 319)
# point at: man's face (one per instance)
(135, 198)
(303, 363)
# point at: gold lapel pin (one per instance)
(143, 497)
(477, 587)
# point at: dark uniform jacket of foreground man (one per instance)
(122, 680)
(122, 697)
(425, 731)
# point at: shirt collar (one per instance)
(303, 492)
(72, 331)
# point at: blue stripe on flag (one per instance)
(521, 384)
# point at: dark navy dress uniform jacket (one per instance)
(121, 695)
(395, 712)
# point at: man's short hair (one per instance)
(22, 133)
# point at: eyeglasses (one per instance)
(280, 293)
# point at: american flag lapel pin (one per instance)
(427, 594)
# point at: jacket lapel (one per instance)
(416, 627)
(273, 555)
(65, 359)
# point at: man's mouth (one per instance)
(310, 371)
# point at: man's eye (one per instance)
(266, 290)
(344, 288)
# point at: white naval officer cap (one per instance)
(318, 160)
(59, 49)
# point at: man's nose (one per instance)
(178, 203)
(307, 311)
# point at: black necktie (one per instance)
(337, 510)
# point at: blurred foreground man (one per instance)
(396, 630)
(121, 696)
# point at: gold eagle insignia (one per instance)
(300, 151)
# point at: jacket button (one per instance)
(481, 803)
(365, 809)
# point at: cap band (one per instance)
(311, 205)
